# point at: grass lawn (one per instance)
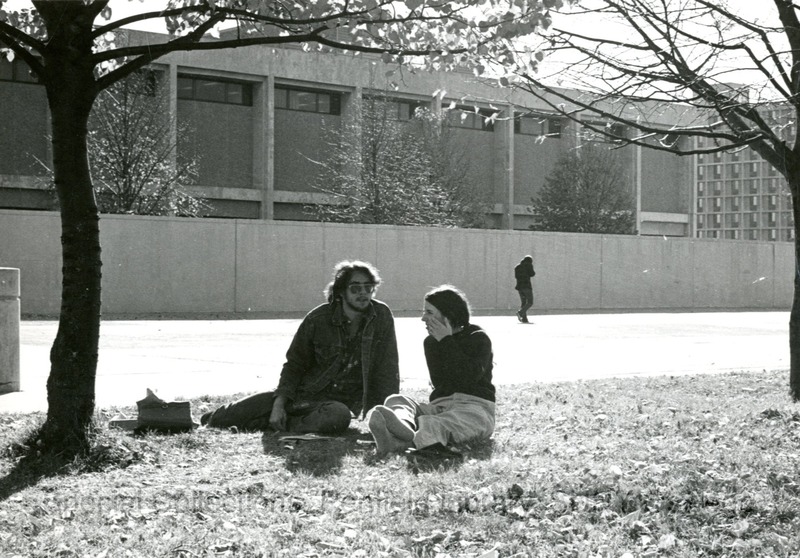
(687, 466)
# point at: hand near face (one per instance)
(439, 329)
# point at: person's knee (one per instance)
(395, 399)
(337, 418)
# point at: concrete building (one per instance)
(256, 115)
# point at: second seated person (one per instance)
(342, 362)
(461, 407)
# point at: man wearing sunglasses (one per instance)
(341, 363)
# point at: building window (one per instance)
(613, 132)
(736, 155)
(735, 187)
(396, 109)
(16, 70)
(306, 100)
(754, 169)
(701, 171)
(214, 90)
(700, 187)
(531, 125)
(472, 118)
(717, 171)
(735, 170)
(700, 205)
(753, 235)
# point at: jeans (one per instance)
(525, 302)
(252, 414)
(454, 419)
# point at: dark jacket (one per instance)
(461, 363)
(316, 356)
(523, 272)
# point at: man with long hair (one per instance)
(342, 362)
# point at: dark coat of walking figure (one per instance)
(342, 362)
(523, 272)
(461, 407)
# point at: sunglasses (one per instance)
(356, 288)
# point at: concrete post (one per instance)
(9, 329)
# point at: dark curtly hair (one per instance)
(343, 271)
(452, 303)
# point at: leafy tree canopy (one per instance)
(586, 192)
(399, 172)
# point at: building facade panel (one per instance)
(666, 182)
(534, 158)
(24, 129)
(221, 135)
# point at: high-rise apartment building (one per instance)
(740, 196)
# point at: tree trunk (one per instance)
(794, 317)
(71, 90)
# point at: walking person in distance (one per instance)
(523, 272)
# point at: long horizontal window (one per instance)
(530, 125)
(306, 100)
(468, 117)
(215, 90)
(395, 109)
(612, 132)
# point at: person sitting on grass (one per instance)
(462, 403)
(342, 361)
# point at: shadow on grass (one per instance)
(440, 459)
(27, 464)
(27, 472)
(325, 456)
(321, 457)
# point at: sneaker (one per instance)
(394, 425)
(519, 317)
(385, 443)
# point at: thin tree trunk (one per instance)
(71, 90)
(794, 317)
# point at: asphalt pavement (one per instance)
(184, 359)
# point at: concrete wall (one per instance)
(169, 265)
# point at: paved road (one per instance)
(184, 359)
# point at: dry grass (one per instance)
(684, 467)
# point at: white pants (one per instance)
(448, 420)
